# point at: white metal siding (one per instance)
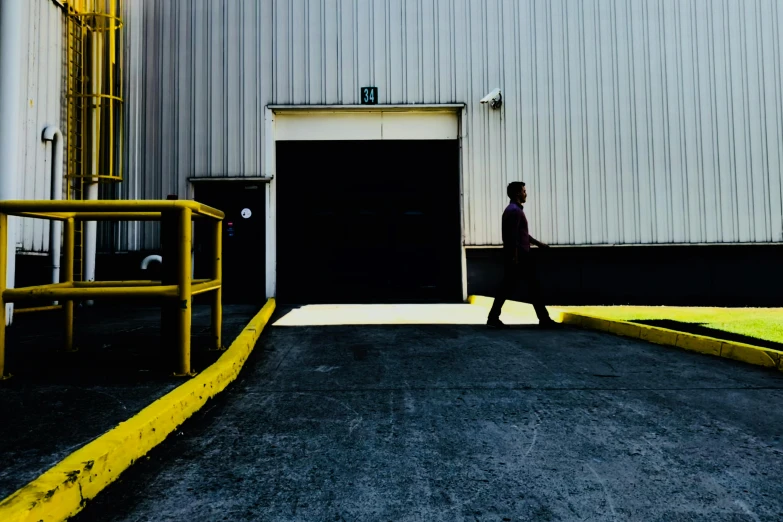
(127, 236)
(632, 121)
(42, 100)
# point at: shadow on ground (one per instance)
(700, 329)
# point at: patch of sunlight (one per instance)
(400, 314)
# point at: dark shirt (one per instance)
(515, 231)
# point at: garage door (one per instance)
(368, 221)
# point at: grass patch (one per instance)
(757, 323)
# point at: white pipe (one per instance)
(90, 238)
(150, 259)
(270, 172)
(55, 227)
(91, 227)
(11, 15)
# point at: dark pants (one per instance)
(513, 274)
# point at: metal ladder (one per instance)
(76, 34)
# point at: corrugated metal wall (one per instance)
(42, 99)
(126, 236)
(632, 121)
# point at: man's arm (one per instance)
(517, 224)
(536, 242)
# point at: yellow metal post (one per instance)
(217, 295)
(3, 268)
(184, 299)
(69, 240)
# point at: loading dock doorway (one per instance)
(244, 237)
(368, 221)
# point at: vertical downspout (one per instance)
(11, 14)
(91, 227)
(55, 227)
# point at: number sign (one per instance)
(369, 95)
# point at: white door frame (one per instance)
(270, 167)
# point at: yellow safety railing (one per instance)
(177, 212)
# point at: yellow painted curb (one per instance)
(659, 336)
(747, 353)
(62, 491)
(751, 354)
(697, 343)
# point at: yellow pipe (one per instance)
(120, 113)
(115, 284)
(151, 205)
(32, 292)
(57, 216)
(101, 284)
(202, 288)
(185, 236)
(3, 268)
(217, 274)
(94, 216)
(118, 216)
(167, 291)
(111, 61)
(114, 21)
(102, 216)
(208, 211)
(69, 241)
(99, 96)
(37, 309)
(95, 176)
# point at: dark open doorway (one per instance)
(368, 221)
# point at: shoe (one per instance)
(496, 324)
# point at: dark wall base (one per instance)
(735, 275)
(33, 270)
(746, 275)
(36, 270)
(124, 266)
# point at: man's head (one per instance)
(516, 191)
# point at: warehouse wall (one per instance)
(42, 104)
(632, 121)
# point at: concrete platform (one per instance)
(334, 421)
(57, 402)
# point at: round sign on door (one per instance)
(246, 213)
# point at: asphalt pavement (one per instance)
(57, 402)
(421, 413)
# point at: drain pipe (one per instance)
(151, 259)
(91, 227)
(53, 134)
(11, 16)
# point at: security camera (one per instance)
(494, 99)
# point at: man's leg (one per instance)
(536, 297)
(505, 288)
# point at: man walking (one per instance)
(518, 265)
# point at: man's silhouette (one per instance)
(518, 265)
